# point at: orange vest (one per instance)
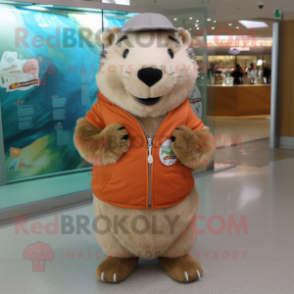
(132, 182)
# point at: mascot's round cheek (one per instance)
(166, 155)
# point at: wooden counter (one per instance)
(242, 100)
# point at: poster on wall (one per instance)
(48, 62)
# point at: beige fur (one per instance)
(184, 35)
(117, 77)
(150, 124)
(109, 36)
(149, 245)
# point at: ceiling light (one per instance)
(36, 7)
(253, 24)
(209, 19)
(121, 2)
(237, 27)
(175, 19)
(212, 28)
(191, 17)
(197, 20)
(230, 24)
(215, 21)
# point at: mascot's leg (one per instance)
(119, 263)
(177, 262)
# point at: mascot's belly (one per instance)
(169, 232)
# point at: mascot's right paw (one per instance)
(101, 147)
(112, 143)
(115, 142)
(182, 269)
(116, 269)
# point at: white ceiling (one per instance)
(240, 9)
(225, 12)
(225, 9)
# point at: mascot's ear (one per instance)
(185, 36)
(109, 36)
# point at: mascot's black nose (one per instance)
(149, 75)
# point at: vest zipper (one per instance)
(150, 146)
(150, 157)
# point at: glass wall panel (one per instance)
(49, 58)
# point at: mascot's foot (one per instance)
(115, 269)
(183, 269)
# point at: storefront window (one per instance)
(252, 59)
(49, 58)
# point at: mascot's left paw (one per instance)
(116, 269)
(193, 148)
(183, 269)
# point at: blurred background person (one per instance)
(211, 74)
(251, 73)
(267, 74)
(237, 74)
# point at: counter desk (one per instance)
(241, 100)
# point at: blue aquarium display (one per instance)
(48, 62)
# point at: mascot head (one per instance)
(147, 68)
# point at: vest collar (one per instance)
(100, 96)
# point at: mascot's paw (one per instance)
(183, 269)
(116, 269)
(193, 149)
(116, 142)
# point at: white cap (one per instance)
(148, 22)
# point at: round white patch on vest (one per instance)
(166, 155)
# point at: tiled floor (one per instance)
(247, 129)
(259, 192)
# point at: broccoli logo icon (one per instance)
(39, 253)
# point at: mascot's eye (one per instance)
(126, 52)
(171, 53)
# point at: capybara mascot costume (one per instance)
(144, 142)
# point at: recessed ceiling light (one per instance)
(197, 28)
(237, 27)
(197, 20)
(175, 19)
(230, 24)
(122, 2)
(212, 28)
(36, 7)
(215, 21)
(253, 24)
(191, 17)
(209, 19)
